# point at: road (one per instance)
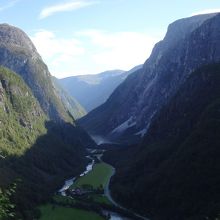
(108, 195)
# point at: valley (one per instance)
(93, 90)
(90, 192)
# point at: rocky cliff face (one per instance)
(18, 53)
(188, 44)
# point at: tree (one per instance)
(6, 207)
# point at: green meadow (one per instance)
(50, 212)
(99, 175)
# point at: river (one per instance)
(70, 182)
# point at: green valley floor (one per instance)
(99, 176)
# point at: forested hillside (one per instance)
(173, 173)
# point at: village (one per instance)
(84, 191)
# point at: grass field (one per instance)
(98, 176)
(50, 212)
(101, 199)
(63, 199)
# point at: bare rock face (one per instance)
(1, 95)
(15, 37)
(188, 44)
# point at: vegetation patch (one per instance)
(99, 176)
(100, 199)
(21, 118)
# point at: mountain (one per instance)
(174, 172)
(93, 90)
(40, 142)
(187, 45)
(18, 53)
(70, 103)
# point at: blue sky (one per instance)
(90, 36)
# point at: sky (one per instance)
(76, 37)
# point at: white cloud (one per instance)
(58, 53)
(62, 7)
(50, 45)
(10, 4)
(121, 50)
(206, 11)
(92, 51)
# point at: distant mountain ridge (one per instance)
(93, 90)
(135, 102)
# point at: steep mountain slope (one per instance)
(93, 90)
(18, 53)
(21, 117)
(71, 104)
(38, 152)
(188, 44)
(174, 173)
